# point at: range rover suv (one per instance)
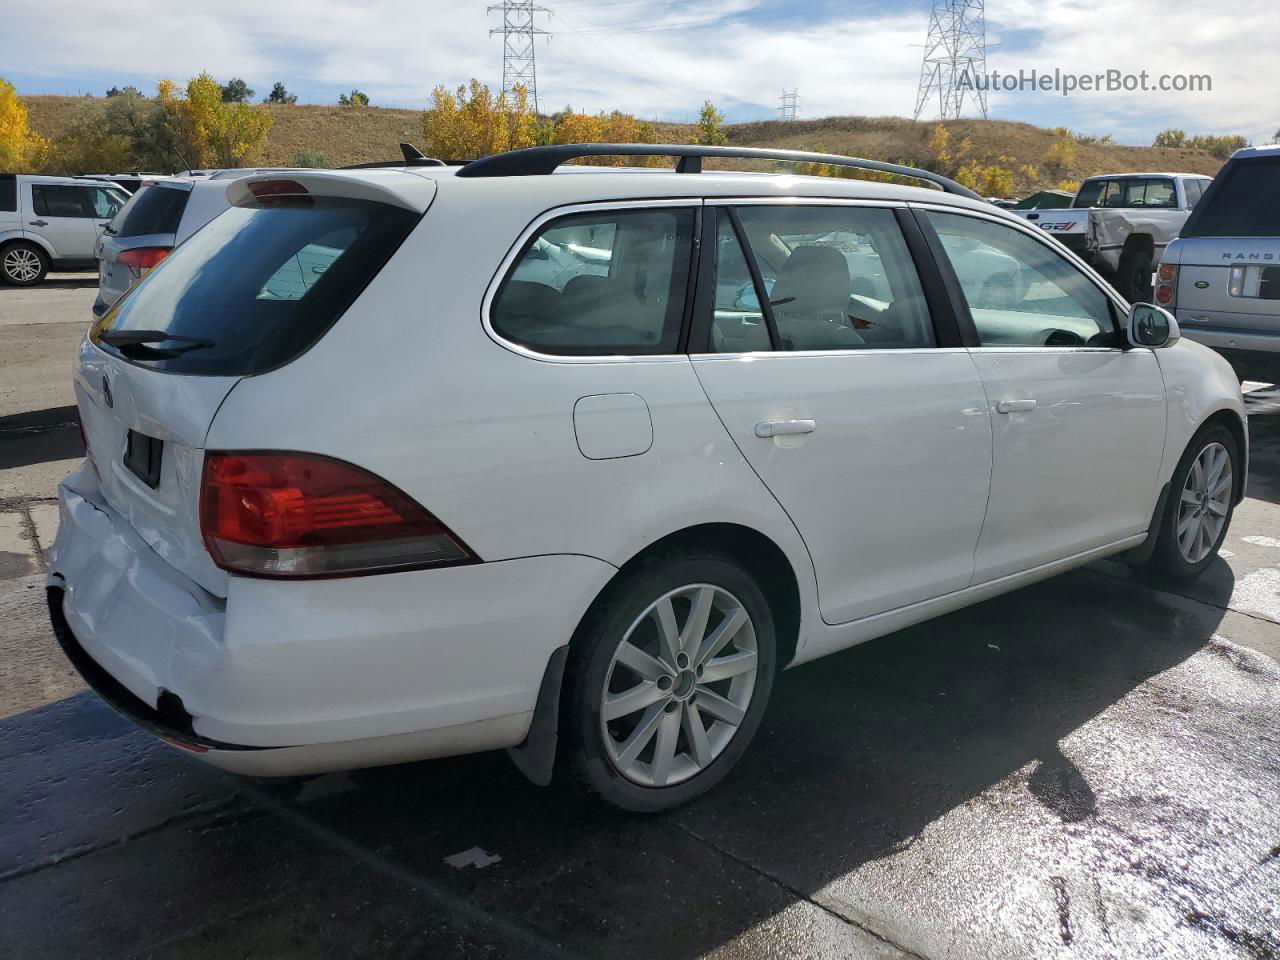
(1221, 277)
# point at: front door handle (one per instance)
(1015, 406)
(784, 428)
(39, 223)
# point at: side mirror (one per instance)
(1151, 326)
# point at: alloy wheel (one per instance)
(1205, 503)
(21, 265)
(679, 685)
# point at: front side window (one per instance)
(597, 284)
(1020, 291)
(834, 278)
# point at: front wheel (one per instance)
(23, 264)
(668, 680)
(1201, 503)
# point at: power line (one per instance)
(518, 35)
(956, 49)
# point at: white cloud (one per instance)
(856, 63)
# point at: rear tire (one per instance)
(1200, 505)
(656, 716)
(1133, 278)
(23, 264)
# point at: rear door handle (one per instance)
(1015, 406)
(784, 428)
(39, 223)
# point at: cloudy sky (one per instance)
(662, 58)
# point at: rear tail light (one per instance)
(1167, 285)
(276, 514)
(142, 259)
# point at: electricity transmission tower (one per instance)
(518, 32)
(955, 55)
(790, 108)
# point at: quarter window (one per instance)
(594, 284)
(834, 278)
(1020, 291)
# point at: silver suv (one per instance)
(1222, 275)
(51, 222)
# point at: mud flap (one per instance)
(536, 757)
(1140, 555)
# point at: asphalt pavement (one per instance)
(1086, 768)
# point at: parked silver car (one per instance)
(1221, 277)
(51, 223)
(155, 220)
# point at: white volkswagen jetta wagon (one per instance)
(401, 463)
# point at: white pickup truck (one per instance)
(1121, 223)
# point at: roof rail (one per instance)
(537, 161)
(413, 157)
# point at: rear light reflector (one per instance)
(142, 259)
(1167, 285)
(281, 514)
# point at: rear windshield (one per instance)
(257, 286)
(1243, 202)
(153, 209)
(1143, 192)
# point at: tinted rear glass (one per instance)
(263, 284)
(8, 192)
(1243, 202)
(153, 209)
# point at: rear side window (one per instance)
(1243, 202)
(835, 278)
(152, 210)
(8, 193)
(53, 200)
(258, 285)
(596, 284)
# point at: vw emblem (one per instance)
(106, 391)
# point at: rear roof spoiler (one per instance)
(406, 190)
(539, 161)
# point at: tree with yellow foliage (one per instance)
(207, 131)
(471, 122)
(21, 149)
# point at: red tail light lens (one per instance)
(300, 515)
(142, 259)
(1167, 284)
(269, 192)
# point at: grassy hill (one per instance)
(344, 135)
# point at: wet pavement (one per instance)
(1086, 768)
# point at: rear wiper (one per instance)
(129, 338)
(136, 344)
